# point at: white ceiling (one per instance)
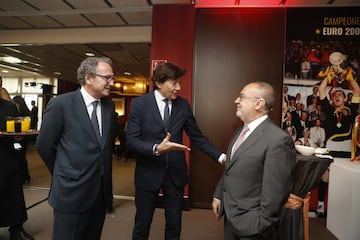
(27, 32)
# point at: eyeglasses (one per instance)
(107, 78)
(242, 97)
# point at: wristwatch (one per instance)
(155, 150)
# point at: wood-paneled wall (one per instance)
(233, 47)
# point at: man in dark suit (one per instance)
(34, 115)
(256, 180)
(12, 204)
(155, 135)
(315, 94)
(75, 142)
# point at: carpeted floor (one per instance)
(198, 224)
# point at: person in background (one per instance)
(349, 99)
(312, 107)
(297, 111)
(76, 141)
(12, 203)
(317, 134)
(23, 112)
(257, 177)
(34, 115)
(3, 92)
(321, 115)
(287, 97)
(315, 94)
(304, 124)
(288, 121)
(156, 124)
(305, 140)
(338, 129)
(339, 118)
(299, 100)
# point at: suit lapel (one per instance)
(250, 141)
(105, 115)
(155, 112)
(83, 116)
(108, 119)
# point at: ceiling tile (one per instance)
(13, 22)
(49, 5)
(129, 3)
(15, 5)
(108, 19)
(138, 18)
(41, 21)
(73, 20)
(81, 4)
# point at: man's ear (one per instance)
(88, 79)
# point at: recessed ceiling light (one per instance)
(90, 54)
(9, 59)
(57, 73)
(5, 71)
(127, 73)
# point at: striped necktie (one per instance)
(240, 139)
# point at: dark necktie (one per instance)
(94, 119)
(240, 139)
(166, 113)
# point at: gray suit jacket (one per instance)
(78, 162)
(256, 181)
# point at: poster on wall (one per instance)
(322, 75)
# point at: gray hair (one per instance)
(266, 91)
(88, 66)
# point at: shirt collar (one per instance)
(88, 99)
(255, 123)
(159, 98)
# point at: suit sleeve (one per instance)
(49, 134)
(279, 160)
(136, 140)
(197, 137)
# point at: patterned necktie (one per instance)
(166, 113)
(240, 139)
(94, 119)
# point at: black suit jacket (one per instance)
(146, 128)
(78, 162)
(12, 202)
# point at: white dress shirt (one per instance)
(88, 99)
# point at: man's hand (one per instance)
(166, 145)
(216, 208)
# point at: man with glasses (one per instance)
(75, 142)
(256, 180)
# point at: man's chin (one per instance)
(106, 92)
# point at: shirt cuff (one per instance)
(222, 158)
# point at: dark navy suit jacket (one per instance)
(146, 128)
(73, 154)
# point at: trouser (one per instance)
(145, 202)
(81, 226)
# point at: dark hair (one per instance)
(166, 71)
(339, 90)
(88, 66)
(22, 107)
